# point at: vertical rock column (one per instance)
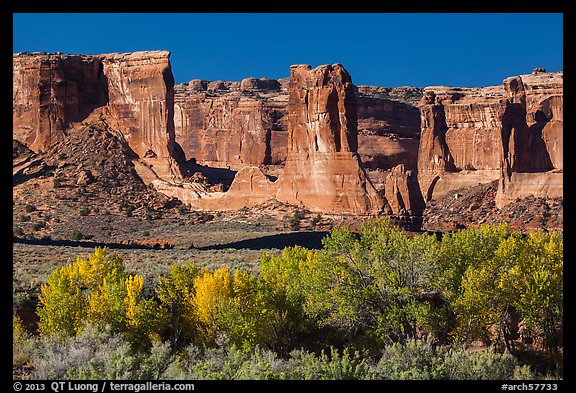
(323, 170)
(141, 102)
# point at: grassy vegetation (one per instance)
(380, 305)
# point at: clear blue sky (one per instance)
(377, 49)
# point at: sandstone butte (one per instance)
(313, 139)
(323, 171)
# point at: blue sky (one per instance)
(378, 49)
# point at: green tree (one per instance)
(376, 283)
(462, 249)
(246, 317)
(534, 285)
(287, 280)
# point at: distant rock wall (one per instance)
(333, 147)
(532, 138)
(232, 124)
(141, 101)
(50, 91)
(472, 136)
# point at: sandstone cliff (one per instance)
(323, 170)
(511, 133)
(50, 91)
(141, 103)
(230, 124)
(133, 92)
(460, 142)
(532, 138)
(388, 127)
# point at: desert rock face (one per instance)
(388, 127)
(50, 91)
(323, 171)
(133, 92)
(532, 138)
(141, 102)
(232, 126)
(511, 133)
(314, 140)
(403, 193)
(460, 142)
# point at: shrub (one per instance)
(24, 218)
(413, 360)
(206, 217)
(211, 290)
(84, 211)
(30, 208)
(295, 220)
(76, 235)
(22, 348)
(316, 219)
(39, 225)
(481, 365)
(94, 354)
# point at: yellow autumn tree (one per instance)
(211, 291)
(248, 316)
(173, 291)
(97, 290)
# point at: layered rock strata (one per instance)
(532, 138)
(511, 133)
(460, 142)
(133, 92)
(50, 91)
(323, 171)
(231, 124)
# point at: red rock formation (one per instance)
(50, 91)
(511, 132)
(532, 138)
(460, 142)
(131, 91)
(323, 170)
(250, 187)
(230, 127)
(388, 130)
(403, 192)
(141, 101)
